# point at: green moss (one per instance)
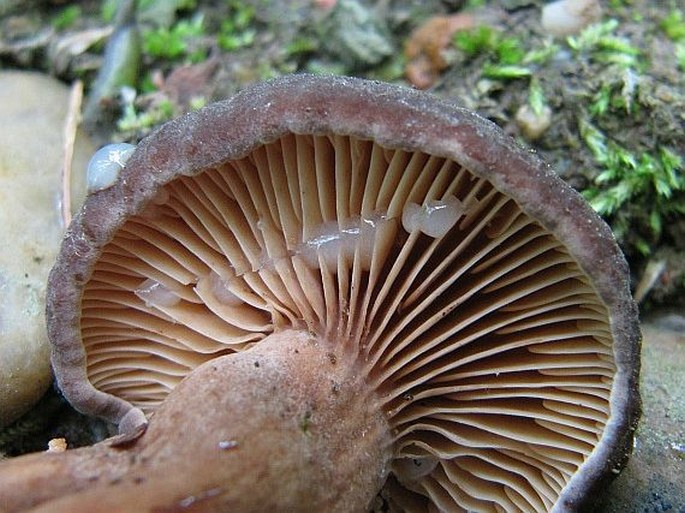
(302, 45)
(635, 184)
(503, 55)
(67, 17)
(680, 54)
(108, 10)
(599, 43)
(636, 191)
(508, 51)
(505, 72)
(542, 54)
(174, 42)
(485, 40)
(133, 121)
(475, 41)
(536, 97)
(673, 25)
(618, 94)
(237, 30)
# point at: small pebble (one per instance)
(566, 17)
(532, 124)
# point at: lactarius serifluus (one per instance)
(330, 294)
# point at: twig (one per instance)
(70, 127)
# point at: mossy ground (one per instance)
(615, 93)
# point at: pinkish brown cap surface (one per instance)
(486, 303)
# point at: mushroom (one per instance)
(326, 293)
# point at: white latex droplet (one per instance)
(106, 164)
(412, 216)
(408, 470)
(367, 238)
(156, 295)
(333, 240)
(441, 216)
(325, 244)
(220, 289)
(435, 218)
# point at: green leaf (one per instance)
(673, 164)
(606, 176)
(617, 45)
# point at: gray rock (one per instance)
(654, 480)
(356, 35)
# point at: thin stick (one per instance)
(70, 127)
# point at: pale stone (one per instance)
(33, 109)
(566, 17)
(533, 124)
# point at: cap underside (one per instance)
(489, 344)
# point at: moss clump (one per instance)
(615, 92)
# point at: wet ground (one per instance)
(654, 480)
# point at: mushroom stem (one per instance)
(287, 425)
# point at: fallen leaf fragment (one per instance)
(426, 45)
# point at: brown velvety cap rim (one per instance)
(395, 117)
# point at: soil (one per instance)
(368, 38)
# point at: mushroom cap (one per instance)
(488, 304)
